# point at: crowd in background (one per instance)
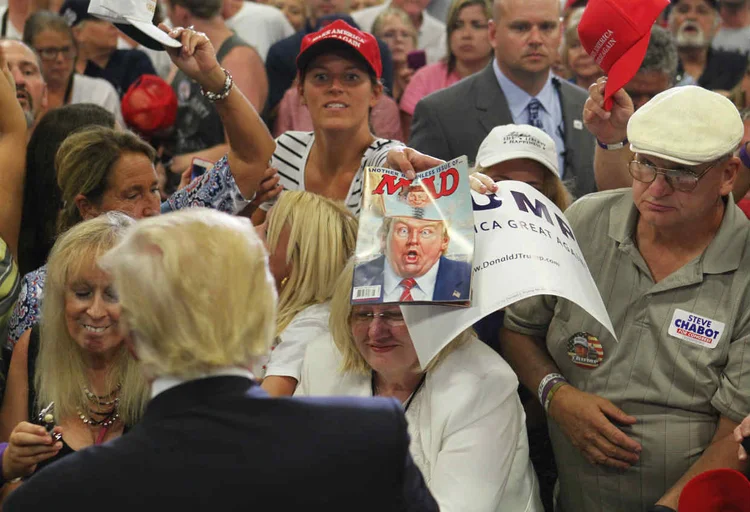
(129, 269)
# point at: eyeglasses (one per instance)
(68, 52)
(679, 179)
(391, 318)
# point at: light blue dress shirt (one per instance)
(550, 113)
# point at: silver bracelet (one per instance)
(228, 83)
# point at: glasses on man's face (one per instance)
(68, 52)
(391, 318)
(680, 179)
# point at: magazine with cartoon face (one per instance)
(416, 238)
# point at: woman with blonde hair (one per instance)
(581, 66)
(309, 240)
(464, 417)
(469, 51)
(80, 362)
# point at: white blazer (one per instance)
(467, 426)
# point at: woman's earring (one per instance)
(283, 282)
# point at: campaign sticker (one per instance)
(585, 350)
(695, 329)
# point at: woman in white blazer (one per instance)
(465, 419)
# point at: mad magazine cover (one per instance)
(416, 238)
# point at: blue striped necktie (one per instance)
(533, 107)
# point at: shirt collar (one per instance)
(518, 99)
(162, 384)
(426, 283)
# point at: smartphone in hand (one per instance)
(416, 59)
(199, 167)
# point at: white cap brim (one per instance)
(497, 158)
(155, 33)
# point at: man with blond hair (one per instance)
(210, 436)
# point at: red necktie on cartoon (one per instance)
(408, 284)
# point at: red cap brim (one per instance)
(719, 490)
(625, 69)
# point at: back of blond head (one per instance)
(196, 292)
(61, 369)
(322, 238)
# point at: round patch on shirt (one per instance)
(585, 350)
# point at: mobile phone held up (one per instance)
(200, 167)
(416, 59)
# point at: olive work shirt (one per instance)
(681, 361)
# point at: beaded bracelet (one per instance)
(212, 96)
(546, 385)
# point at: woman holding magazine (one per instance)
(464, 417)
(339, 72)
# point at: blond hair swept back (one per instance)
(84, 163)
(61, 367)
(196, 292)
(322, 238)
(341, 329)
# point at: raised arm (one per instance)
(610, 165)
(13, 157)
(250, 143)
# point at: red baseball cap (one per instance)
(718, 490)
(616, 33)
(149, 106)
(340, 33)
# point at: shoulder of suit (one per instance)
(572, 91)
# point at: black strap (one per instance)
(410, 399)
(4, 28)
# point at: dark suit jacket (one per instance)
(453, 280)
(221, 444)
(454, 122)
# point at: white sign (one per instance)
(524, 246)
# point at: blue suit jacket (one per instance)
(221, 443)
(453, 281)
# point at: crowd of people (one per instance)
(179, 210)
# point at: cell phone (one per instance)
(416, 59)
(200, 167)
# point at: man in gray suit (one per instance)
(517, 87)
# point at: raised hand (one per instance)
(196, 58)
(610, 127)
(585, 420)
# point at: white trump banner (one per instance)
(524, 246)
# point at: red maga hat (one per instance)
(149, 106)
(342, 33)
(718, 490)
(615, 33)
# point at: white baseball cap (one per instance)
(514, 141)
(687, 125)
(135, 19)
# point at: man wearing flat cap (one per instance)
(633, 421)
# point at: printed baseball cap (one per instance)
(718, 490)
(135, 19)
(688, 125)
(616, 35)
(513, 141)
(149, 105)
(339, 33)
